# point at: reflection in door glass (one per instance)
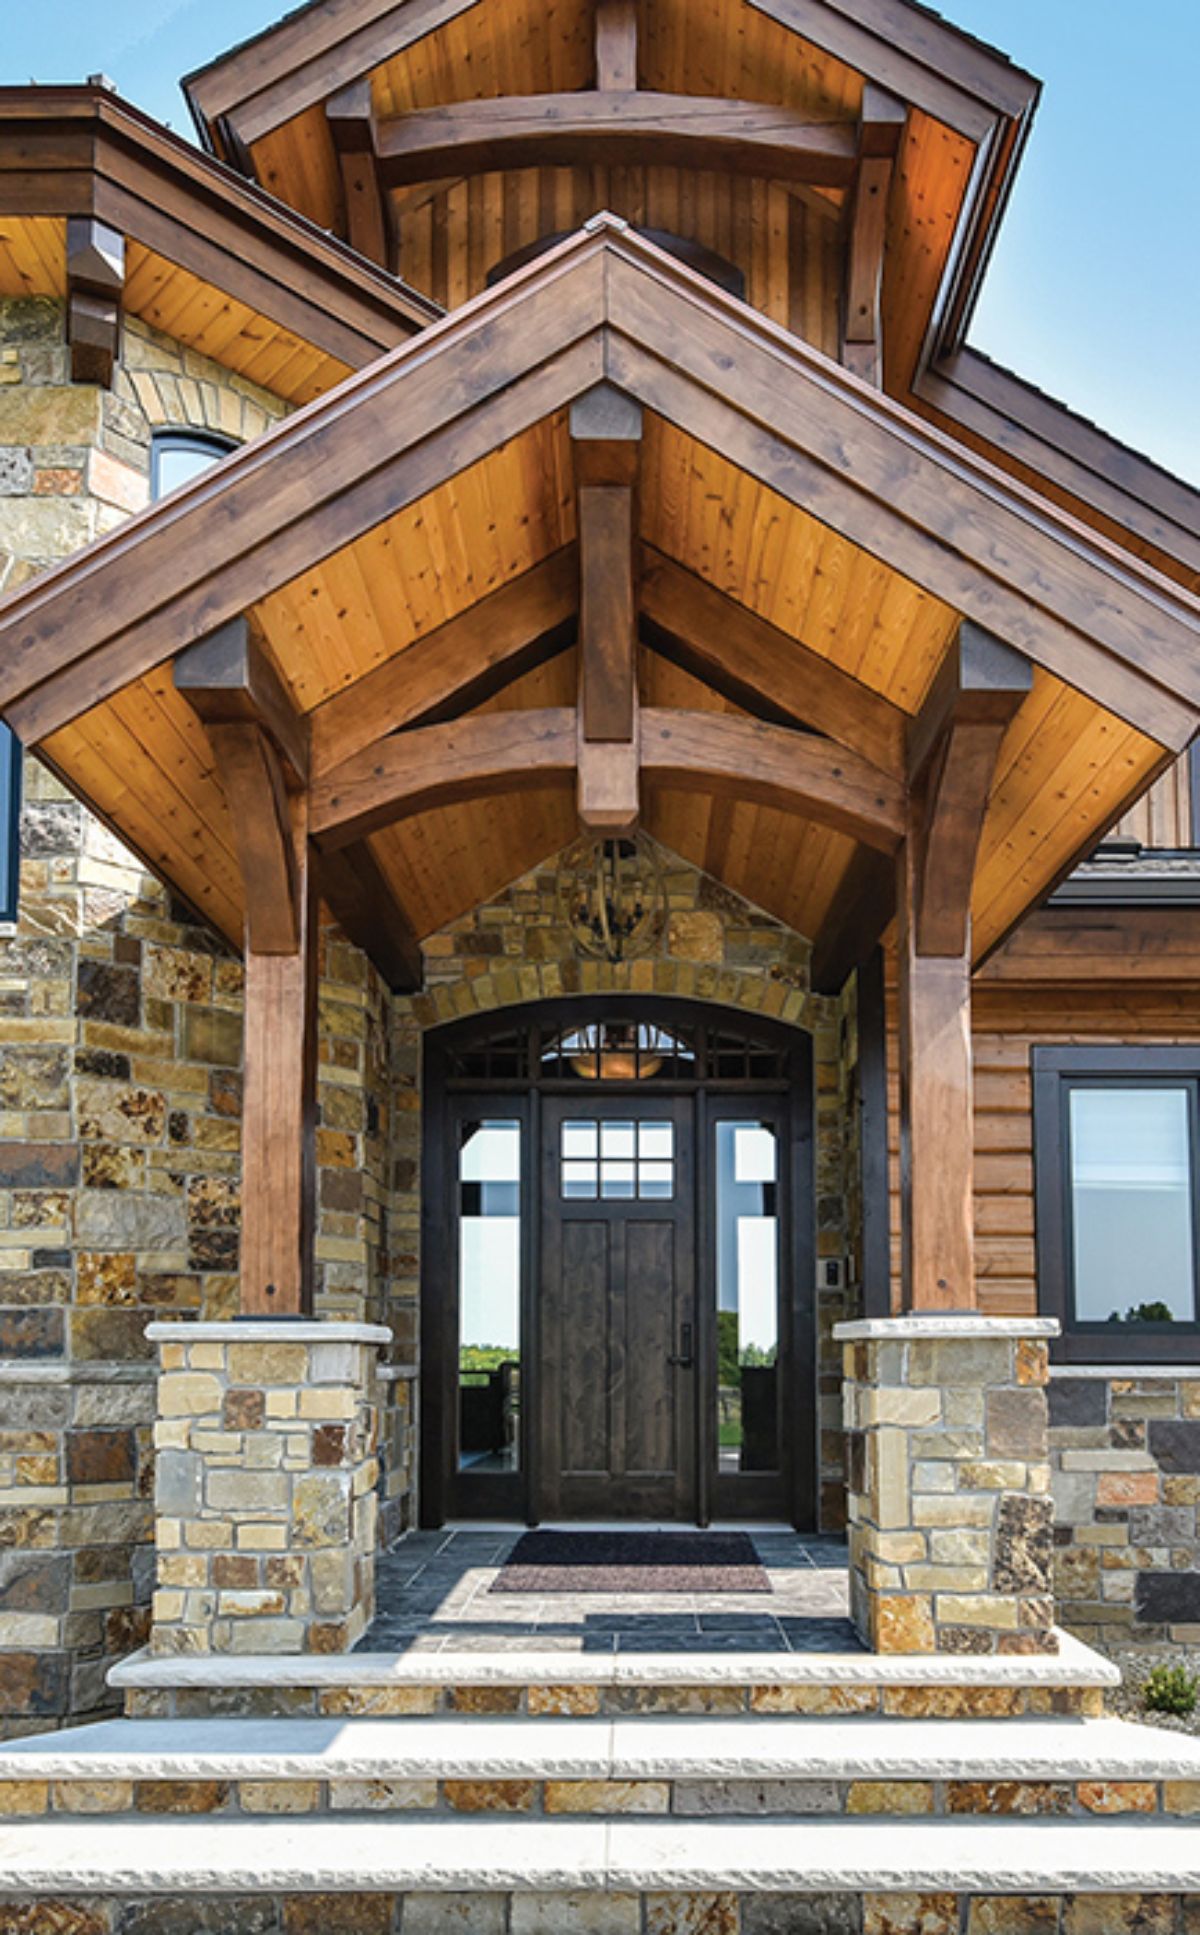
(747, 1297)
(489, 1296)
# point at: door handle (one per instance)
(684, 1361)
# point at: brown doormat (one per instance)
(633, 1562)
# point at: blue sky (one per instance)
(1094, 292)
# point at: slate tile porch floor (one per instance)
(433, 1595)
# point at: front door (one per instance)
(616, 1412)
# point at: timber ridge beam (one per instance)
(95, 294)
(606, 444)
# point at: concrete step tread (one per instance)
(1074, 1665)
(319, 1856)
(643, 1746)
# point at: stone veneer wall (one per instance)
(713, 946)
(120, 1086)
(1125, 1454)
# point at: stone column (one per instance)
(948, 1486)
(265, 1486)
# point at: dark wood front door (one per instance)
(616, 1409)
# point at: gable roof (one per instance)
(363, 522)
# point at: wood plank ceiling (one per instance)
(143, 759)
(33, 251)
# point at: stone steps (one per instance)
(635, 1765)
(568, 1684)
(743, 1859)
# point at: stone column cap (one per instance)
(308, 1331)
(965, 1324)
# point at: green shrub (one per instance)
(1172, 1689)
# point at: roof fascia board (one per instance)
(306, 59)
(70, 151)
(610, 304)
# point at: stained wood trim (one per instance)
(361, 899)
(83, 151)
(349, 115)
(229, 680)
(95, 291)
(954, 744)
(880, 129)
(946, 520)
(464, 661)
(298, 63)
(614, 130)
(749, 660)
(410, 772)
(861, 914)
(616, 46)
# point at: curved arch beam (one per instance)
(618, 130)
(713, 752)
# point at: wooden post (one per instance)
(260, 746)
(350, 117)
(606, 430)
(954, 743)
(95, 294)
(616, 46)
(879, 133)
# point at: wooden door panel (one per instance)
(649, 1343)
(585, 1375)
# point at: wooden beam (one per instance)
(954, 743)
(472, 758)
(606, 442)
(306, 57)
(228, 680)
(279, 1111)
(350, 117)
(748, 660)
(616, 46)
(358, 894)
(863, 910)
(746, 760)
(95, 293)
(463, 662)
(953, 747)
(880, 131)
(251, 776)
(633, 129)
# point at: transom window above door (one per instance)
(614, 1161)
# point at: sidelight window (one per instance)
(489, 1295)
(747, 1268)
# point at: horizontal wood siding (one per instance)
(1163, 816)
(1007, 1026)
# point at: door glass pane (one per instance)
(636, 1160)
(747, 1297)
(1131, 1205)
(489, 1262)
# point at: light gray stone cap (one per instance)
(1181, 1373)
(919, 1327)
(311, 1331)
(1074, 1664)
(218, 1855)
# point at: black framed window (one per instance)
(176, 456)
(10, 823)
(1117, 1148)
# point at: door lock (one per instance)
(685, 1360)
